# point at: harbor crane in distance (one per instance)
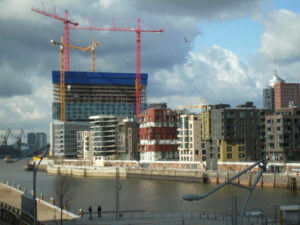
(138, 32)
(5, 137)
(66, 22)
(19, 139)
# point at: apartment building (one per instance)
(190, 145)
(283, 135)
(158, 135)
(83, 144)
(63, 138)
(128, 139)
(234, 135)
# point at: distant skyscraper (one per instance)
(268, 98)
(31, 140)
(279, 94)
(268, 92)
(41, 140)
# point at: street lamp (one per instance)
(262, 164)
(35, 169)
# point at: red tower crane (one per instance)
(138, 31)
(66, 22)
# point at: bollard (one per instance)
(80, 213)
(52, 201)
(19, 187)
(42, 196)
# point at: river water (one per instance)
(147, 194)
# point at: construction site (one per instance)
(94, 93)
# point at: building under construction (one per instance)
(97, 93)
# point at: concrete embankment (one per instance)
(268, 180)
(87, 171)
(18, 198)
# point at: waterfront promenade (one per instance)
(45, 211)
(49, 214)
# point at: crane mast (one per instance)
(138, 31)
(66, 23)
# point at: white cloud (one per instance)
(28, 112)
(217, 75)
(281, 37)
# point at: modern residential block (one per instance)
(128, 139)
(63, 138)
(283, 135)
(158, 135)
(234, 135)
(191, 147)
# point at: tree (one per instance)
(63, 192)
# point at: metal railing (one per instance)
(159, 217)
(15, 216)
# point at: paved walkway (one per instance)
(45, 211)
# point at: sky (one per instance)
(222, 51)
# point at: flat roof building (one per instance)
(283, 135)
(158, 135)
(97, 93)
(63, 138)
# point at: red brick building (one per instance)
(286, 94)
(158, 135)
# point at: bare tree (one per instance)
(63, 193)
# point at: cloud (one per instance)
(176, 73)
(13, 84)
(28, 112)
(281, 37)
(216, 75)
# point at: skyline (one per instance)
(212, 65)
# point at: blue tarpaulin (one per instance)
(98, 78)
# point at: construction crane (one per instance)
(88, 48)
(138, 31)
(62, 71)
(92, 49)
(61, 79)
(193, 106)
(66, 22)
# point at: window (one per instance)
(241, 155)
(241, 148)
(229, 156)
(197, 152)
(229, 148)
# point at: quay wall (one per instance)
(268, 180)
(287, 177)
(86, 171)
(287, 180)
